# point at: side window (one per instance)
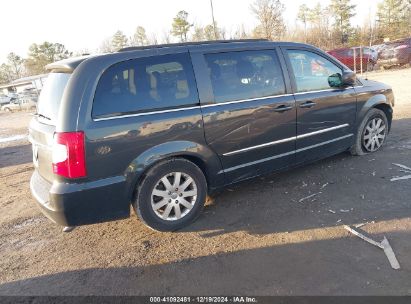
(245, 75)
(146, 84)
(311, 70)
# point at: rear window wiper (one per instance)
(42, 116)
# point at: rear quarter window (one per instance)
(145, 85)
(50, 97)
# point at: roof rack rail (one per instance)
(155, 46)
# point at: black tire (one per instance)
(359, 146)
(142, 203)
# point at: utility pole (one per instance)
(212, 15)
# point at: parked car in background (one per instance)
(5, 99)
(366, 55)
(397, 52)
(378, 47)
(24, 103)
(32, 95)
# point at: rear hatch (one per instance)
(43, 125)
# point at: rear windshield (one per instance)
(50, 97)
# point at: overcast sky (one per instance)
(84, 24)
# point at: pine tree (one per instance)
(342, 11)
(140, 37)
(118, 41)
(181, 26)
(394, 18)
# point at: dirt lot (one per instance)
(255, 238)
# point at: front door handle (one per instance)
(307, 104)
(282, 108)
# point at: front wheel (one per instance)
(371, 133)
(171, 196)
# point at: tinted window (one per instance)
(146, 84)
(245, 75)
(311, 70)
(50, 97)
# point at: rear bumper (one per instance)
(81, 204)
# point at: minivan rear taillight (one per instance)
(68, 154)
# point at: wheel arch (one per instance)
(380, 102)
(201, 155)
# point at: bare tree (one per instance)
(16, 64)
(270, 16)
(166, 37)
(105, 46)
(198, 34)
(241, 33)
(303, 13)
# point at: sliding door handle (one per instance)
(282, 108)
(307, 104)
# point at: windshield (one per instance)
(50, 97)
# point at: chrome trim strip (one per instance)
(285, 154)
(146, 113)
(326, 90)
(322, 131)
(261, 146)
(324, 143)
(317, 91)
(244, 100)
(286, 140)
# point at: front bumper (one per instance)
(80, 204)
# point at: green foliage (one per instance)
(316, 22)
(42, 54)
(207, 33)
(342, 11)
(181, 26)
(394, 19)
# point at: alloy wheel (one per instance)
(374, 134)
(173, 196)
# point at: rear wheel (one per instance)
(371, 133)
(171, 196)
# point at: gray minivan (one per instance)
(158, 128)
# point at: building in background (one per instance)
(32, 84)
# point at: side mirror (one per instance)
(346, 79)
(349, 78)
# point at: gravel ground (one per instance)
(257, 238)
